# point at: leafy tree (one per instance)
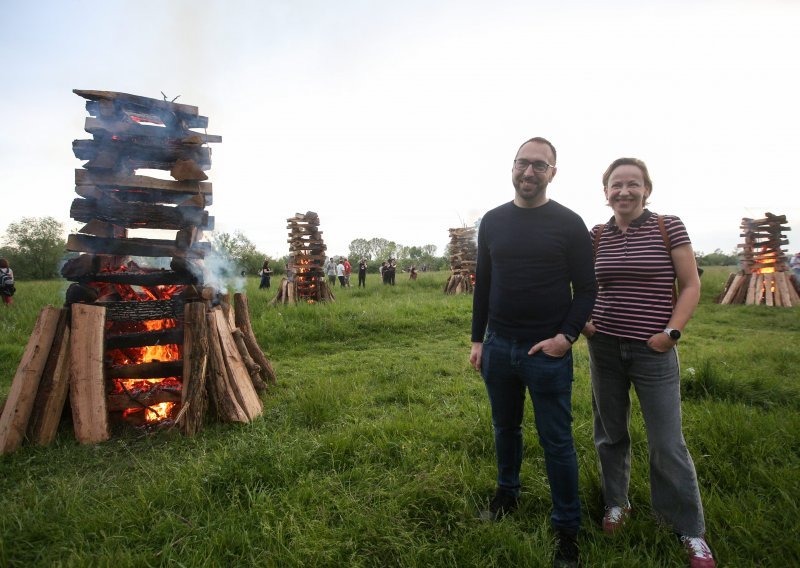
(382, 249)
(717, 258)
(239, 250)
(360, 248)
(35, 247)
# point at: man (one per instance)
(534, 291)
(330, 271)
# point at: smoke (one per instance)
(221, 272)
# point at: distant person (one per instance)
(632, 337)
(384, 270)
(266, 274)
(362, 273)
(412, 274)
(340, 272)
(348, 270)
(330, 272)
(7, 288)
(392, 271)
(534, 291)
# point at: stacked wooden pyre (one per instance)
(305, 281)
(137, 344)
(765, 276)
(463, 259)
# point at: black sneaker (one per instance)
(500, 505)
(566, 555)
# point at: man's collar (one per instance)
(638, 222)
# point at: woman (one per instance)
(7, 288)
(266, 274)
(635, 326)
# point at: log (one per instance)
(751, 290)
(22, 395)
(782, 285)
(150, 370)
(112, 155)
(154, 105)
(141, 311)
(134, 247)
(194, 398)
(188, 169)
(242, 316)
(171, 336)
(240, 381)
(221, 394)
(87, 390)
(768, 294)
(737, 280)
(253, 369)
(52, 394)
(759, 296)
(118, 402)
(138, 215)
(117, 183)
(117, 126)
(147, 279)
(741, 293)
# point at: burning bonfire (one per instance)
(305, 281)
(463, 260)
(136, 344)
(765, 277)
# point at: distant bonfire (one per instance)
(765, 277)
(463, 259)
(305, 278)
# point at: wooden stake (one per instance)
(239, 380)
(52, 395)
(242, 314)
(87, 390)
(220, 393)
(21, 397)
(194, 399)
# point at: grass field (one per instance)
(375, 449)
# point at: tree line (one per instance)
(36, 248)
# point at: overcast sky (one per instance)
(401, 119)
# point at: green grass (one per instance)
(375, 449)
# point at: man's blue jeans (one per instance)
(508, 371)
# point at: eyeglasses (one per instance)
(538, 166)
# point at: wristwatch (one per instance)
(569, 337)
(674, 334)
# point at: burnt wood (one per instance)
(141, 311)
(116, 181)
(145, 338)
(139, 215)
(127, 128)
(158, 278)
(125, 99)
(106, 155)
(134, 247)
(152, 370)
(124, 400)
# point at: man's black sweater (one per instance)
(535, 273)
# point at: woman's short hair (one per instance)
(648, 183)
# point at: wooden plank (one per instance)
(732, 289)
(759, 296)
(165, 135)
(185, 189)
(142, 311)
(22, 395)
(241, 312)
(134, 247)
(138, 215)
(110, 154)
(751, 290)
(53, 387)
(768, 294)
(225, 403)
(123, 401)
(151, 370)
(194, 398)
(87, 388)
(146, 102)
(172, 336)
(240, 380)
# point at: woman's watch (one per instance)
(674, 334)
(572, 339)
